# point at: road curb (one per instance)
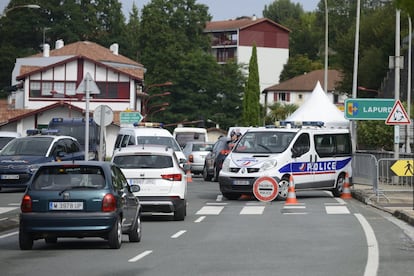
(400, 214)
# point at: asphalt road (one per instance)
(320, 236)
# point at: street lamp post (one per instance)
(29, 6)
(355, 74)
(325, 80)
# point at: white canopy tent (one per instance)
(319, 108)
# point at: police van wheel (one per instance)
(283, 188)
(337, 191)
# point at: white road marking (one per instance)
(7, 209)
(340, 200)
(178, 234)
(200, 219)
(140, 256)
(336, 210)
(371, 267)
(252, 210)
(294, 207)
(8, 235)
(210, 210)
(14, 204)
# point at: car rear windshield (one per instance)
(28, 146)
(158, 140)
(62, 177)
(202, 147)
(143, 161)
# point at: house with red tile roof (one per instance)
(298, 89)
(234, 40)
(49, 85)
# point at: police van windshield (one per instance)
(264, 142)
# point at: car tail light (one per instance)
(224, 152)
(191, 158)
(26, 205)
(172, 177)
(109, 203)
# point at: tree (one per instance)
(298, 65)
(174, 48)
(279, 111)
(251, 105)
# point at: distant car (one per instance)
(195, 152)
(162, 179)
(214, 160)
(79, 199)
(21, 157)
(147, 133)
(7, 136)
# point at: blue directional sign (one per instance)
(368, 109)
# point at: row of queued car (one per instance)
(104, 199)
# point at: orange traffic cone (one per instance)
(346, 192)
(291, 198)
(189, 175)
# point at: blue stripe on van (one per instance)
(303, 168)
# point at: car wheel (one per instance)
(231, 196)
(337, 191)
(180, 211)
(25, 240)
(206, 176)
(283, 189)
(51, 240)
(216, 174)
(136, 230)
(115, 235)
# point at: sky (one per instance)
(219, 9)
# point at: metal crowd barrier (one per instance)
(374, 169)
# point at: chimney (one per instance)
(114, 48)
(254, 18)
(46, 50)
(59, 44)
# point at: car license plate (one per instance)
(241, 182)
(140, 181)
(9, 176)
(65, 205)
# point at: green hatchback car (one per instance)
(77, 199)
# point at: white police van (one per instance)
(316, 157)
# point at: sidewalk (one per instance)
(399, 204)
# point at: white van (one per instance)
(187, 134)
(140, 135)
(316, 157)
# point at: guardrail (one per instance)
(374, 169)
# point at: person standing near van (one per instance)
(234, 138)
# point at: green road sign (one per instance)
(130, 117)
(368, 109)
